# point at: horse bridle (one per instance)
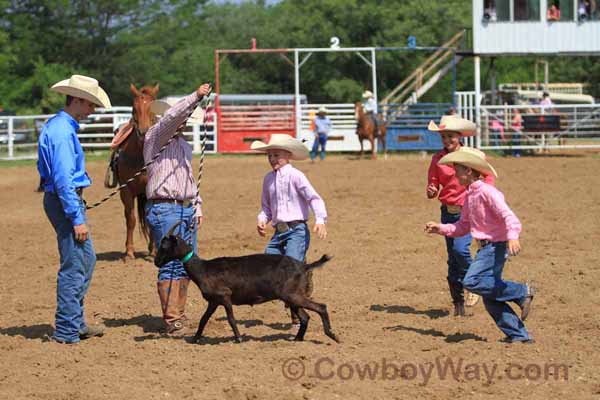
(145, 98)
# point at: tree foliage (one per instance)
(173, 42)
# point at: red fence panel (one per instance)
(240, 125)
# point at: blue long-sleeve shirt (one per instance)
(61, 163)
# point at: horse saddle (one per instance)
(122, 134)
(110, 177)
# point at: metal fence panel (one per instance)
(19, 134)
(543, 127)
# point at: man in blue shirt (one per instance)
(322, 129)
(61, 164)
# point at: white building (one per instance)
(519, 27)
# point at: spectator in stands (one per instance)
(583, 10)
(321, 130)
(489, 12)
(553, 13)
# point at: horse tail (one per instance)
(141, 211)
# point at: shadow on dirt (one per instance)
(29, 332)
(149, 323)
(433, 313)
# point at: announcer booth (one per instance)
(503, 28)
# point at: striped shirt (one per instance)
(171, 175)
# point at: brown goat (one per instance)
(249, 280)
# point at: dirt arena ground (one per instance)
(385, 289)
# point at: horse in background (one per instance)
(128, 159)
(365, 129)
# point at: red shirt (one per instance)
(452, 193)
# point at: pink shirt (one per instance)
(286, 196)
(452, 193)
(486, 215)
(171, 175)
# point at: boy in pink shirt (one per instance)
(287, 196)
(496, 228)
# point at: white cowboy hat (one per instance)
(367, 94)
(285, 142)
(471, 158)
(160, 107)
(322, 109)
(83, 87)
(454, 123)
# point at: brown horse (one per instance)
(130, 159)
(365, 129)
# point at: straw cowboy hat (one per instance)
(470, 157)
(83, 87)
(367, 94)
(454, 123)
(322, 109)
(285, 142)
(160, 107)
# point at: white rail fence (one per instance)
(558, 127)
(343, 133)
(19, 134)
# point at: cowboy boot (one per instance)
(168, 292)
(456, 292)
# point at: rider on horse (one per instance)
(370, 108)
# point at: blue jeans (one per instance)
(293, 243)
(161, 217)
(484, 277)
(320, 140)
(459, 257)
(77, 262)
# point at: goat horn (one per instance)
(172, 230)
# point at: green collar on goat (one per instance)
(187, 257)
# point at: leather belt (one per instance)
(483, 243)
(453, 209)
(283, 227)
(184, 203)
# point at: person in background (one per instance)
(370, 108)
(546, 103)
(516, 126)
(322, 127)
(553, 13)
